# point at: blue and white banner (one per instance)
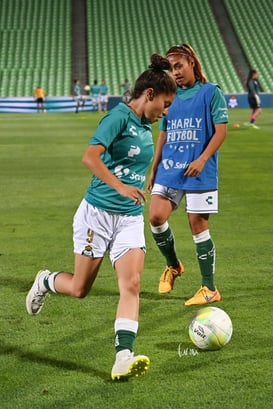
(68, 104)
(52, 104)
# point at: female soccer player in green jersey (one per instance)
(110, 217)
(254, 100)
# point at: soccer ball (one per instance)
(210, 328)
(87, 88)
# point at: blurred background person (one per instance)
(95, 95)
(126, 94)
(232, 102)
(77, 95)
(39, 94)
(103, 96)
(253, 97)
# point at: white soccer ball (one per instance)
(210, 328)
(87, 88)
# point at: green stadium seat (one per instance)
(36, 41)
(255, 32)
(33, 38)
(127, 50)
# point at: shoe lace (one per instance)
(169, 273)
(39, 298)
(207, 293)
(200, 291)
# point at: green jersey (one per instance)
(129, 151)
(95, 90)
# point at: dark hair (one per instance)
(251, 73)
(155, 77)
(250, 76)
(185, 50)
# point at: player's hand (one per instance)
(195, 168)
(258, 100)
(132, 192)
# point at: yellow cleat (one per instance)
(204, 296)
(129, 366)
(168, 276)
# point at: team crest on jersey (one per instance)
(87, 251)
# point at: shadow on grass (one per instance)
(156, 296)
(15, 283)
(57, 363)
(23, 285)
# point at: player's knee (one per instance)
(79, 292)
(198, 223)
(133, 286)
(156, 219)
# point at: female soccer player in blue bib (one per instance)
(186, 165)
(110, 217)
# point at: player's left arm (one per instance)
(196, 166)
(219, 113)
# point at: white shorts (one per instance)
(95, 232)
(103, 99)
(195, 202)
(95, 100)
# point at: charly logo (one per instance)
(121, 171)
(133, 130)
(168, 163)
(209, 200)
(134, 150)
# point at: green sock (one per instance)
(165, 243)
(124, 340)
(205, 252)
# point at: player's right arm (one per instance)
(92, 160)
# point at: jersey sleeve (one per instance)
(108, 129)
(219, 109)
(163, 124)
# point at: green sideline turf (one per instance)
(63, 357)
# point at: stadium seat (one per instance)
(255, 34)
(119, 52)
(36, 44)
(36, 41)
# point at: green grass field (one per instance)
(63, 357)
